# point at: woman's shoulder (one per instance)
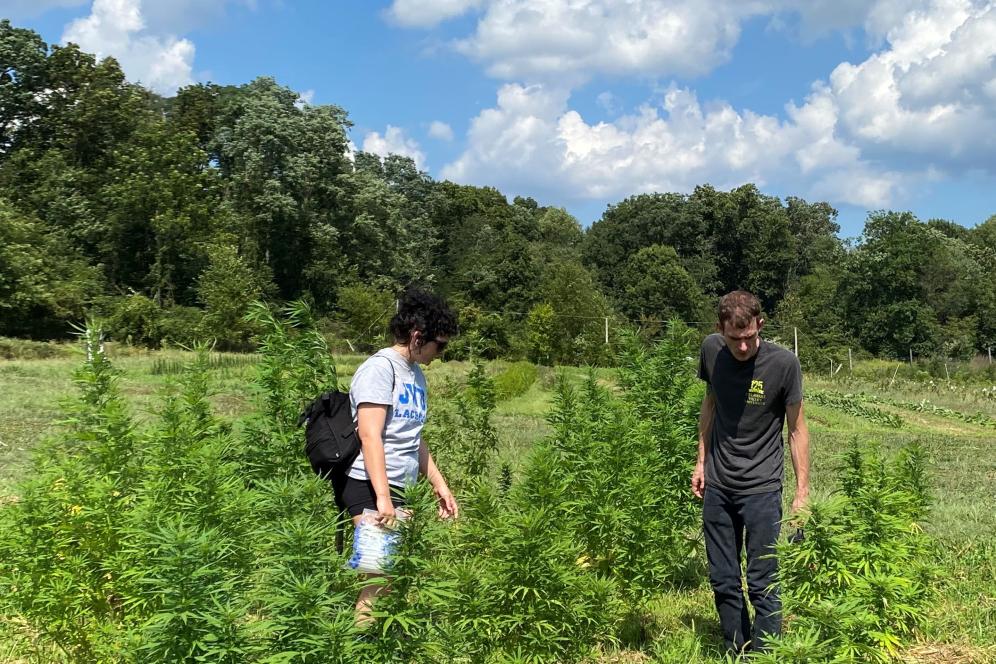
(379, 364)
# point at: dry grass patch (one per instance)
(949, 653)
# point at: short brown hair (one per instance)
(739, 308)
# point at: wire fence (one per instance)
(782, 334)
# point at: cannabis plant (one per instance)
(460, 432)
(171, 543)
(627, 461)
(859, 585)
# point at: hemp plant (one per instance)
(188, 539)
(295, 366)
(628, 459)
(57, 538)
(460, 432)
(860, 584)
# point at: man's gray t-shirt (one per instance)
(388, 379)
(745, 446)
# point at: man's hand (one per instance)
(706, 415)
(799, 444)
(799, 502)
(698, 480)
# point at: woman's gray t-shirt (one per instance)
(745, 447)
(388, 379)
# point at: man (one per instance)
(752, 387)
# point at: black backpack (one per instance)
(330, 439)
(331, 445)
(331, 442)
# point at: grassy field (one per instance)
(678, 627)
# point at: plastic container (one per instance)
(374, 544)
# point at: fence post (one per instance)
(990, 355)
(606, 330)
(911, 357)
(850, 362)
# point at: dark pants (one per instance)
(726, 518)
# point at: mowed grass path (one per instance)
(679, 627)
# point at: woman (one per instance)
(388, 399)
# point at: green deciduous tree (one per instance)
(58, 160)
(365, 312)
(658, 287)
(579, 309)
(162, 207)
(281, 165)
(382, 235)
(814, 227)
(542, 333)
(226, 288)
(637, 222)
(44, 283)
(23, 57)
(906, 280)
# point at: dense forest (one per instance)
(167, 217)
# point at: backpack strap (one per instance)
(394, 377)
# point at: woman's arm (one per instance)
(427, 466)
(370, 419)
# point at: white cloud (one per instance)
(533, 143)
(570, 40)
(305, 99)
(932, 92)
(441, 131)
(921, 108)
(394, 141)
(116, 28)
(426, 13)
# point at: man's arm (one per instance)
(706, 415)
(799, 445)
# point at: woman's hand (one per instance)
(385, 511)
(448, 507)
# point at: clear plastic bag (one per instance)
(374, 544)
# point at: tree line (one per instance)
(167, 216)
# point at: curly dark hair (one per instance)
(419, 309)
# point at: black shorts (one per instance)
(358, 495)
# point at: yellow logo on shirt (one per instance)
(755, 395)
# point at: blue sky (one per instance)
(868, 104)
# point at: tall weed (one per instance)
(460, 433)
(171, 543)
(627, 463)
(515, 380)
(859, 585)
